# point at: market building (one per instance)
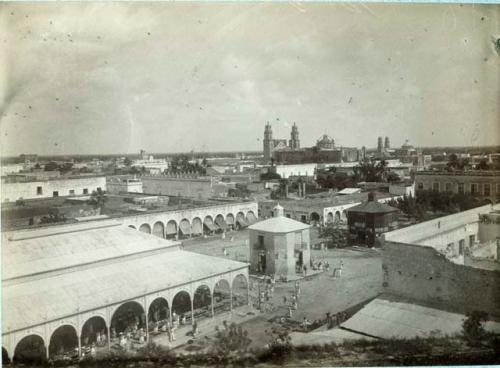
(67, 287)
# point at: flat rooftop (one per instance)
(330, 200)
(417, 234)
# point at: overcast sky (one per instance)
(168, 77)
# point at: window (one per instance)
(486, 189)
(472, 239)
(473, 189)
(39, 190)
(277, 255)
(71, 192)
(447, 187)
(55, 194)
(420, 186)
(85, 191)
(461, 246)
(435, 187)
(461, 188)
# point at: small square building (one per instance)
(279, 245)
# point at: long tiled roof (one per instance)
(36, 251)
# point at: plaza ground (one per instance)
(361, 280)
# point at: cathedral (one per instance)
(270, 144)
(324, 151)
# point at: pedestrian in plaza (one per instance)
(290, 312)
(284, 300)
(305, 270)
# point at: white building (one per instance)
(57, 187)
(116, 185)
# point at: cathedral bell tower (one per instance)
(294, 142)
(268, 142)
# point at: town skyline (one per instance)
(214, 75)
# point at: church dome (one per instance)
(325, 142)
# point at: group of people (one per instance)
(320, 265)
(294, 300)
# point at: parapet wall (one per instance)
(422, 274)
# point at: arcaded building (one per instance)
(63, 286)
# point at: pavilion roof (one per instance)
(33, 302)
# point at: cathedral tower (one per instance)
(294, 142)
(268, 142)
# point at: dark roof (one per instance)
(372, 207)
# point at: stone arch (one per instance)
(344, 215)
(159, 229)
(132, 227)
(63, 341)
(208, 225)
(145, 228)
(239, 289)
(158, 310)
(241, 221)
(222, 296)
(30, 349)
(230, 220)
(129, 315)
(5, 356)
(220, 221)
(329, 217)
(181, 304)
(337, 216)
(197, 226)
(314, 217)
(171, 229)
(202, 301)
(185, 227)
(94, 330)
(251, 217)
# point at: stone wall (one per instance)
(423, 274)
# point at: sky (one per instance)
(89, 78)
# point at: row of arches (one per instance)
(198, 226)
(337, 217)
(129, 319)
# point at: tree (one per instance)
(337, 237)
(127, 162)
(231, 340)
(269, 176)
(51, 166)
(65, 167)
(473, 329)
(97, 198)
(482, 165)
(371, 171)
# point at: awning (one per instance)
(171, 229)
(210, 225)
(251, 218)
(197, 227)
(185, 228)
(221, 223)
(241, 222)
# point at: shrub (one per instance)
(472, 327)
